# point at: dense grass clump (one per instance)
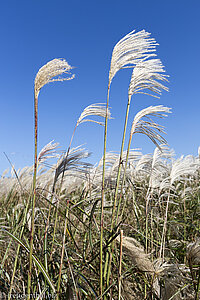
(127, 228)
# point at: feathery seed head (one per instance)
(48, 151)
(148, 127)
(51, 72)
(98, 109)
(146, 76)
(193, 253)
(183, 167)
(130, 50)
(137, 255)
(73, 162)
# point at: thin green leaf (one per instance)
(35, 259)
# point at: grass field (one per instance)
(126, 228)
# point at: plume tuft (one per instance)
(136, 252)
(98, 109)
(147, 76)
(130, 50)
(48, 151)
(51, 72)
(73, 162)
(193, 253)
(148, 127)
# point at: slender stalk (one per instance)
(147, 198)
(162, 246)
(152, 230)
(117, 185)
(124, 177)
(102, 195)
(67, 153)
(62, 252)
(54, 231)
(185, 218)
(146, 231)
(120, 161)
(34, 193)
(72, 275)
(47, 227)
(120, 266)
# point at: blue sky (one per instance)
(84, 33)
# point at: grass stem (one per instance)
(34, 194)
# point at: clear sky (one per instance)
(84, 33)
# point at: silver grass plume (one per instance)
(73, 162)
(158, 155)
(193, 253)
(110, 159)
(181, 169)
(97, 109)
(47, 152)
(148, 127)
(144, 164)
(159, 167)
(130, 50)
(136, 253)
(51, 72)
(134, 156)
(146, 76)
(5, 172)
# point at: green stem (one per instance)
(54, 231)
(120, 161)
(117, 184)
(120, 266)
(102, 196)
(62, 252)
(34, 195)
(124, 177)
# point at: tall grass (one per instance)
(127, 228)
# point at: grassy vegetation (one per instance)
(127, 228)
